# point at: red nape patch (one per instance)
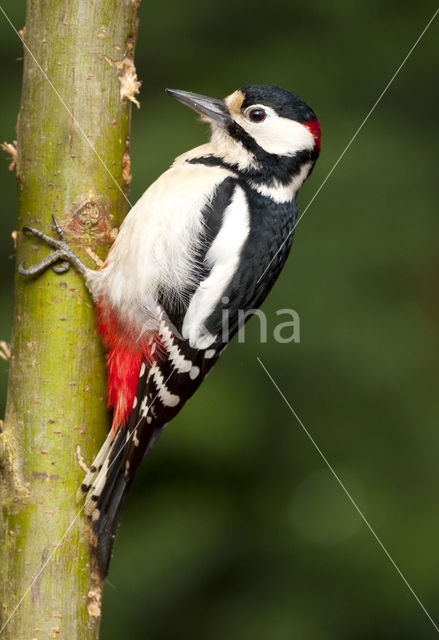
(314, 127)
(125, 353)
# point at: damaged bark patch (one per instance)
(5, 351)
(127, 75)
(129, 84)
(11, 150)
(12, 490)
(90, 223)
(94, 596)
(126, 162)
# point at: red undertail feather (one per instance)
(123, 372)
(124, 359)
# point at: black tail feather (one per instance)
(105, 526)
(109, 492)
(159, 397)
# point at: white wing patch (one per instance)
(223, 258)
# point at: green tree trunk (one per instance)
(56, 396)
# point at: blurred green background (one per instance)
(235, 528)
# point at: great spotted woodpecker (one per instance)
(211, 235)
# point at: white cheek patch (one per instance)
(277, 135)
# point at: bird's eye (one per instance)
(256, 115)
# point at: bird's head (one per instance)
(267, 121)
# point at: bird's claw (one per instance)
(58, 228)
(62, 252)
(35, 269)
(63, 267)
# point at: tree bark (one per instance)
(57, 384)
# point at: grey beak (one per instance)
(211, 107)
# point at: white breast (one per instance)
(157, 241)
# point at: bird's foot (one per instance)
(62, 253)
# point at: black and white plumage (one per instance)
(204, 243)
